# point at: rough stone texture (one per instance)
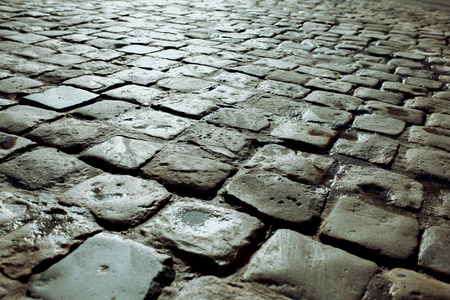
(70, 134)
(433, 254)
(10, 144)
(187, 172)
(94, 83)
(295, 165)
(118, 200)
(429, 162)
(185, 84)
(138, 76)
(303, 268)
(122, 153)
(135, 94)
(278, 197)
(121, 269)
(103, 110)
(398, 189)
(218, 234)
(429, 105)
(372, 147)
(372, 94)
(379, 124)
(244, 119)
(439, 120)
(362, 224)
(283, 89)
(17, 84)
(330, 85)
(334, 100)
(309, 134)
(42, 167)
(407, 284)
(226, 94)
(429, 137)
(189, 105)
(19, 118)
(408, 115)
(62, 97)
(41, 240)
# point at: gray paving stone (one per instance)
(107, 43)
(6, 103)
(135, 94)
(100, 68)
(371, 147)
(332, 117)
(187, 172)
(401, 62)
(40, 240)
(243, 119)
(103, 110)
(283, 89)
(433, 255)
(14, 85)
(226, 94)
(405, 88)
(138, 76)
(318, 72)
(341, 68)
(406, 114)
(117, 201)
(335, 100)
(379, 124)
(407, 284)
(372, 94)
(237, 80)
(359, 223)
(171, 54)
(93, 83)
(190, 70)
(122, 153)
(19, 118)
(63, 59)
(301, 268)
(305, 133)
(61, 74)
(11, 288)
(429, 105)
(253, 70)
(101, 54)
(11, 144)
(295, 165)
(209, 61)
(429, 162)
(277, 197)
(384, 76)
(62, 97)
(207, 231)
(121, 269)
(398, 190)
(189, 105)
(185, 84)
(27, 38)
(416, 73)
(423, 82)
(33, 52)
(154, 63)
(288, 76)
(438, 120)
(276, 64)
(139, 49)
(330, 85)
(429, 137)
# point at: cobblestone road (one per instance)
(268, 149)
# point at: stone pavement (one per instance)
(270, 149)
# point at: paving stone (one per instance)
(341, 68)
(288, 76)
(27, 38)
(372, 147)
(318, 72)
(237, 80)
(401, 62)
(423, 82)
(121, 269)
(304, 133)
(253, 70)
(379, 124)
(189, 105)
(61, 74)
(11, 288)
(408, 115)
(226, 94)
(14, 85)
(244, 119)
(103, 110)
(398, 190)
(154, 63)
(139, 49)
(63, 59)
(100, 68)
(87, 51)
(429, 162)
(135, 94)
(329, 116)
(185, 84)
(330, 85)
(33, 52)
(283, 89)
(93, 83)
(138, 76)
(295, 165)
(439, 120)
(197, 71)
(429, 137)
(152, 122)
(429, 105)
(209, 61)
(6, 103)
(171, 54)
(207, 231)
(19, 118)
(372, 94)
(311, 266)
(358, 223)
(384, 76)
(43, 167)
(433, 255)
(187, 172)
(122, 153)
(335, 100)
(33, 69)
(107, 43)
(11, 144)
(405, 88)
(40, 240)
(101, 54)
(215, 139)
(276, 64)
(62, 97)
(407, 284)
(117, 201)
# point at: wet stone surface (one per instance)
(432, 254)
(10, 144)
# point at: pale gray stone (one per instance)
(244, 119)
(306, 269)
(408, 115)
(104, 110)
(139, 76)
(429, 105)
(433, 254)
(118, 200)
(185, 84)
(383, 96)
(121, 269)
(94, 83)
(329, 116)
(218, 234)
(135, 94)
(439, 120)
(399, 190)
(330, 85)
(278, 197)
(283, 89)
(429, 162)
(359, 223)
(226, 94)
(14, 85)
(189, 105)
(405, 88)
(380, 124)
(335, 100)
(429, 137)
(10, 144)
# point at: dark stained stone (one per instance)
(10, 144)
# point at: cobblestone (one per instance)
(226, 149)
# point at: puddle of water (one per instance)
(7, 143)
(195, 218)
